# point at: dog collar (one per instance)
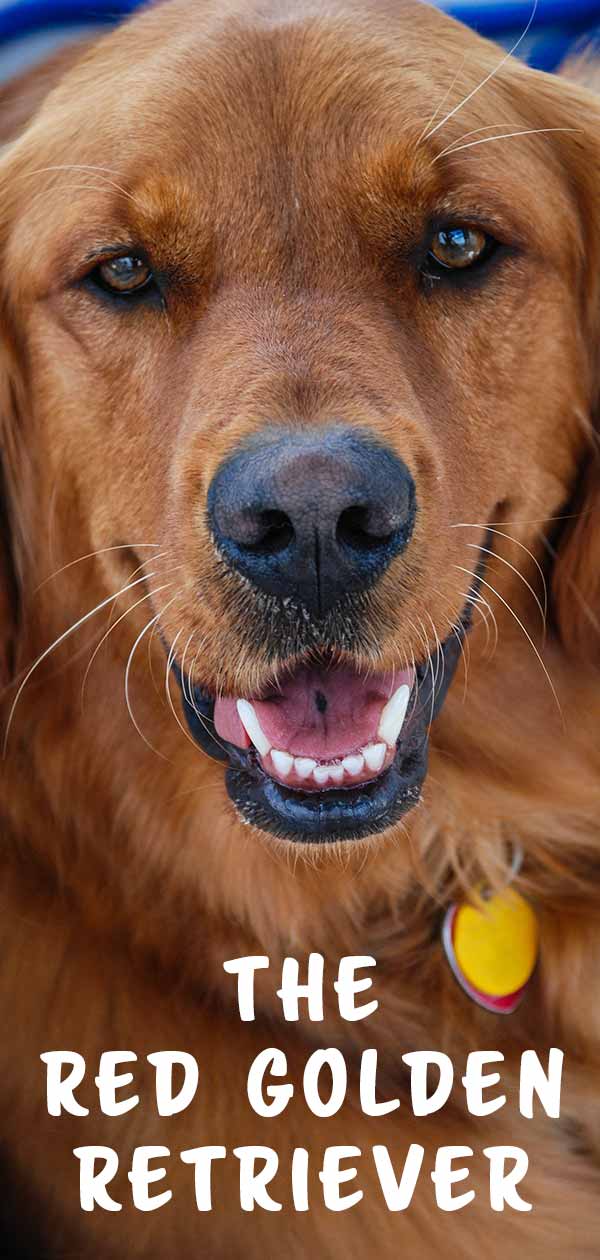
(492, 947)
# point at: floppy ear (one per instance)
(11, 403)
(576, 577)
(9, 598)
(20, 98)
(576, 572)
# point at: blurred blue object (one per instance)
(557, 24)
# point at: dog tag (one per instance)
(492, 949)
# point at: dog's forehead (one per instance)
(260, 104)
(194, 79)
(253, 126)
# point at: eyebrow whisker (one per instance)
(487, 78)
(98, 170)
(507, 135)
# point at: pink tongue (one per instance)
(322, 714)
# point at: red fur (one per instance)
(271, 159)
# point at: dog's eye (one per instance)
(460, 247)
(127, 273)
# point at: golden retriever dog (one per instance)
(299, 386)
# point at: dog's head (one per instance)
(305, 309)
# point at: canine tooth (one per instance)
(304, 766)
(354, 764)
(393, 714)
(253, 727)
(282, 762)
(374, 755)
(321, 774)
(336, 773)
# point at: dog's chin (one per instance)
(330, 754)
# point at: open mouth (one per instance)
(329, 754)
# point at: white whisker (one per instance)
(100, 552)
(507, 135)
(61, 638)
(112, 627)
(513, 568)
(189, 696)
(478, 603)
(441, 103)
(488, 77)
(170, 659)
(153, 621)
(72, 166)
(523, 628)
(518, 543)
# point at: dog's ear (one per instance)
(20, 98)
(9, 586)
(11, 402)
(8, 602)
(576, 575)
(572, 100)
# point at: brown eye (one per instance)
(125, 274)
(455, 248)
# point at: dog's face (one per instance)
(307, 316)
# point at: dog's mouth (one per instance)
(332, 752)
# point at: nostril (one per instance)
(271, 532)
(364, 527)
(311, 516)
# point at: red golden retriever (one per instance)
(300, 589)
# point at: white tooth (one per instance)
(354, 764)
(337, 773)
(393, 714)
(253, 727)
(374, 755)
(304, 766)
(321, 774)
(282, 762)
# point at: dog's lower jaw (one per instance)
(332, 816)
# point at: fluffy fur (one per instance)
(281, 164)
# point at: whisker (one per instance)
(430, 667)
(182, 728)
(442, 102)
(99, 552)
(61, 638)
(72, 166)
(139, 569)
(207, 723)
(507, 135)
(184, 687)
(513, 614)
(512, 567)
(172, 570)
(201, 645)
(465, 651)
(539, 520)
(475, 131)
(518, 543)
(476, 602)
(112, 627)
(130, 658)
(440, 664)
(487, 78)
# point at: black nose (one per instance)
(312, 516)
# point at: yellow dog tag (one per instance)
(492, 949)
